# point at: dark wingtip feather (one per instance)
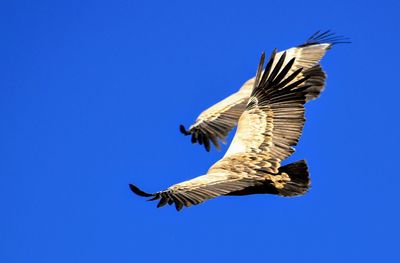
(200, 138)
(215, 142)
(326, 37)
(207, 145)
(259, 69)
(284, 71)
(183, 130)
(194, 138)
(268, 67)
(156, 197)
(164, 200)
(139, 192)
(178, 206)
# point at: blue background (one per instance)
(91, 97)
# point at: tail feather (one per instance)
(299, 182)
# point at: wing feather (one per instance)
(272, 122)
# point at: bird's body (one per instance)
(269, 111)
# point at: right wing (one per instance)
(216, 122)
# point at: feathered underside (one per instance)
(268, 128)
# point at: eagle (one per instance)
(216, 122)
(269, 125)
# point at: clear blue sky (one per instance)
(91, 97)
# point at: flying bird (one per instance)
(268, 128)
(216, 122)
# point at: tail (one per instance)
(299, 179)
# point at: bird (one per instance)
(268, 129)
(214, 124)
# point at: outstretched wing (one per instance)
(216, 122)
(200, 189)
(253, 159)
(272, 122)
